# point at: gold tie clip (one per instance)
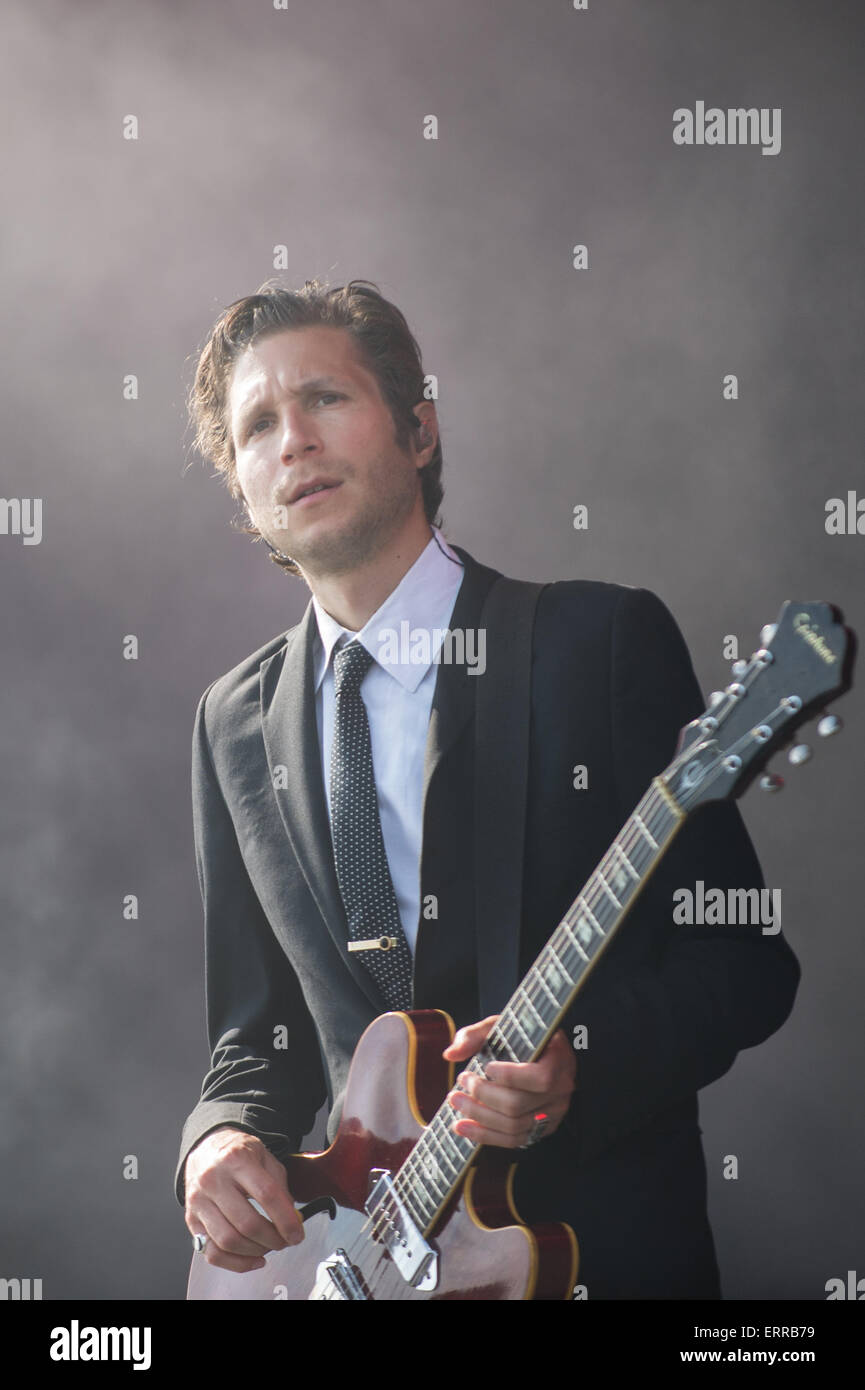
(378, 943)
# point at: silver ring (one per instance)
(198, 1243)
(540, 1125)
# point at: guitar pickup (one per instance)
(416, 1261)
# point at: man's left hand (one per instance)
(501, 1109)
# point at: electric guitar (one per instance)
(400, 1206)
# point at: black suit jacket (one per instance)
(666, 1008)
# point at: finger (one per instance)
(487, 1133)
(504, 1100)
(237, 1227)
(530, 1078)
(504, 1121)
(560, 1051)
(224, 1259)
(272, 1193)
(549, 1074)
(512, 1099)
(259, 1175)
(467, 1041)
(236, 1263)
(208, 1217)
(509, 1110)
(557, 1063)
(255, 1226)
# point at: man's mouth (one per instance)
(309, 490)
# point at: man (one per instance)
(312, 405)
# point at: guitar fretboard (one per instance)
(440, 1158)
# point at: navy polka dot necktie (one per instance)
(358, 846)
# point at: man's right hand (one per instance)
(222, 1171)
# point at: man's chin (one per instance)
(332, 552)
(331, 546)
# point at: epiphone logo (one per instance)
(810, 633)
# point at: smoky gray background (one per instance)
(305, 127)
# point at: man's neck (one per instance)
(351, 599)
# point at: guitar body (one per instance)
(398, 1080)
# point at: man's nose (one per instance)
(299, 436)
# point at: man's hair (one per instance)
(383, 342)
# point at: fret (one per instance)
(607, 888)
(464, 1147)
(595, 923)
(548, 992)
(426, 1173)
(426, 1161)
(418, 1196)
(458, 1148)
(433, 1174)
(413, 1181)
(451, 1163)
(575, 941)
(513, 1017)
(642, 824)
(441, 1150)
(561, 969)
(497, 1038)
(631, 869)
(528, 998)
(583, 929)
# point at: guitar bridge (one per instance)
(336, 1280)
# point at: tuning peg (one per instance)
(715, 698)
(800, 754)
(771, 782)
(829, 724)
(738, 668)
(767, 633)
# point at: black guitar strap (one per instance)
(502, 717)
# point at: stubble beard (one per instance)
(363, 536)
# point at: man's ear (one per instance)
(427, 435)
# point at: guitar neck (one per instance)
(542, 999)
(438, 1161)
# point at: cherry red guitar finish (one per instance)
(398, 1080)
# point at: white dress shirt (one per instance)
(397, 692)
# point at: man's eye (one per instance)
(322, 396)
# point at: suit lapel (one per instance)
(454, 698)
(293, 754)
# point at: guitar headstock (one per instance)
(805, 660)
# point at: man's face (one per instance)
(303, 410)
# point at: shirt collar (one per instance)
(400, 633)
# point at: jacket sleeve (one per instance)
(659, 1032)
(252, 990)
